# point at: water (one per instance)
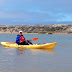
(58, 59)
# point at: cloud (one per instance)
(53, 5)
(36, 10)
(8, 15)
(67, 17)
(2, 3)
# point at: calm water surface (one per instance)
(58, 59)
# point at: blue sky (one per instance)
(33, 12)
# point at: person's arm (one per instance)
(17, 39)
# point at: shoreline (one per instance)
(37, 33)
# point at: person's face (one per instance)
(20, 33)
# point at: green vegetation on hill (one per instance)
(40, 29)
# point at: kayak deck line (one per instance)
(34, 46)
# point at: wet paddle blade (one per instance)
(35, 39)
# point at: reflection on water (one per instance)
(52, 51)
(21, 51)
(35, 51)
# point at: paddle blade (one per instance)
(35, 39)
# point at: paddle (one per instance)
(34, 39)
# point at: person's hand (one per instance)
(20, 41)
(28, 40)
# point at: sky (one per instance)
(31, 12)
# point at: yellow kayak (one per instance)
(34, 46)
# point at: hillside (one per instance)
(39, 29)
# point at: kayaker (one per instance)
(20, 39)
